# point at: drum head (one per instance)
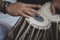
(47, 12)
(39, 21)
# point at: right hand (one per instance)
(22, 9)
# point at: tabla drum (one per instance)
(54, 19)
(32, 28)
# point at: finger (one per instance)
(53, 10)
(28, 13)
(33, 11)
(22, 14)
(33, 5)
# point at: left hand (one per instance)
(53, 9)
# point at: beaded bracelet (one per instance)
(4, 6)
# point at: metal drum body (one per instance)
(54, 19)
(30, 29)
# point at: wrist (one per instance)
(4, 6)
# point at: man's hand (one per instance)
(22, 9)
(53, 9)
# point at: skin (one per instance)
(55, 4)
(22, 9)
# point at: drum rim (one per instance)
(40, 26)
(54, 18)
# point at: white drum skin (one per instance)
(54, 19)
(46, 10)
(41, 25)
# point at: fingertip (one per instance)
(53, 13)
(39, 5)
(27, 16)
